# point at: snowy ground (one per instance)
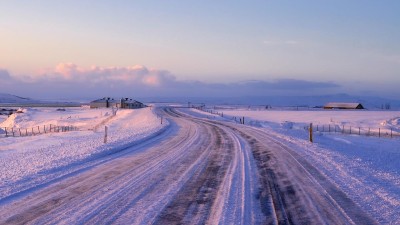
(366, 168)
(22, 159)
(82, 117)
(2, 118)
(191, 170)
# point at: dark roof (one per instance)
(343, 105)
(116, 100)
(104, 100)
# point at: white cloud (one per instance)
(133, 75)
(71, 80)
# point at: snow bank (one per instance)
(23, 158)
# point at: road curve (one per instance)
(206, 172)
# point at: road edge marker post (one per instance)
(310, 129)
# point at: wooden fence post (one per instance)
(105, 134)
(311, 132)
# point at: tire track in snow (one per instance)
(141, 184)
(194, 201)
(115, 179)
(232, 199)
(299, 193)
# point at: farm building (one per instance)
(340, 105)
(124, 103)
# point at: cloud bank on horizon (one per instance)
(68, 80)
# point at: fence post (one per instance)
(12, 130)
(19, 129)
(243, 120)
(38, 129)
(105, 134)
(5, 129)
(311, 132)
(26, 132)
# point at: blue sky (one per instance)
(351, 46)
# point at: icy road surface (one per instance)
(196, 172)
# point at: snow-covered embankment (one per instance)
(29, 161)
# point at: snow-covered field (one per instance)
(23, 158)
(366, 168)
(82, 117)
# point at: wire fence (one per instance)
(356, 130)
(325, 128)
(37, 130)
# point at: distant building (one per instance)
(124, 103)
(340, 105)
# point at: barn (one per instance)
(342, 105)
(124, 103)
(103, 103)
(128, 103)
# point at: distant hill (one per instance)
(17, 101)
(369, 102)
(8, 98)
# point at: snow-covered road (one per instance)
(197, 171)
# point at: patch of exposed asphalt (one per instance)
(193, 203)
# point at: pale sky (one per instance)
(351, 46)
